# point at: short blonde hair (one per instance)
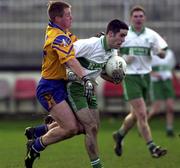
(137, 8)
(56, 8)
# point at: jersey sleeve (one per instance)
(159, 41)
(63, 46)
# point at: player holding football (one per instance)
(92, 54)
(138, 45)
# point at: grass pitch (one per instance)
(71, 153)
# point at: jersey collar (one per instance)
(138, 33)
(104, 44)
(55, 25)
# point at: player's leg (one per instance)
(89, 118)
(139, 108)
(155, 108)
(119, 135)
(35, 132)
(157, 96)
(67, 124)
(134, 94)
(95, 114)
(67, 127)
(53, 100)
(96, 163)
(48, 119)
(130, 91)
(39, 130)
(89, 121)
(139, 112)
(169, 117)
(170, 95)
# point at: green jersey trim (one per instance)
(105, 45)
(161, 68)
(91, 65)
(137, 51)
(138, 33)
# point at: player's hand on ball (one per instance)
(88, 88)
(118, 75)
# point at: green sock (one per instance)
(96, 163)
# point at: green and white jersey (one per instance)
(93, 54)
(164, 66)
(139, 45)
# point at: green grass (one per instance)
(71, 153)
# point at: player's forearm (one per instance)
(161, 53)
(76, 67)
(106, 77)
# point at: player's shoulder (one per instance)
(62, 39)
(94, 40)
(88, 41)
(150, 31)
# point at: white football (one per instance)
(114, 63)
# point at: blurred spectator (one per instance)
(162, 91)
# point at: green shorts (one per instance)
(162, 90)
(76, 97)
(136, 86)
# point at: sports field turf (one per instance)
(72, 154)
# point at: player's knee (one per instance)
(142, 117)
(95, 129)
(170, 108)
(80, 129)
(73, 131)
(92, 129)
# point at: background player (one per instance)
(136, 49)
(162, 88)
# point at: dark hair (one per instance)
(116, 25)
(56, 8)
(137, 8)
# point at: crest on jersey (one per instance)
(146, 40)
(62, 40)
